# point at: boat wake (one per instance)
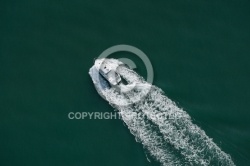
(165, 130)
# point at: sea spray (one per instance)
(165, 130)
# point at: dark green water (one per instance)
(199, 51)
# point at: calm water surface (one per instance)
(199, 51)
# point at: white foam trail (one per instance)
(165, 130)
(148, 134)
(179, 131)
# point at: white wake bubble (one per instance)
(165, 131)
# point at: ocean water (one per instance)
(199, 52)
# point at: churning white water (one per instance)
(165, 131)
